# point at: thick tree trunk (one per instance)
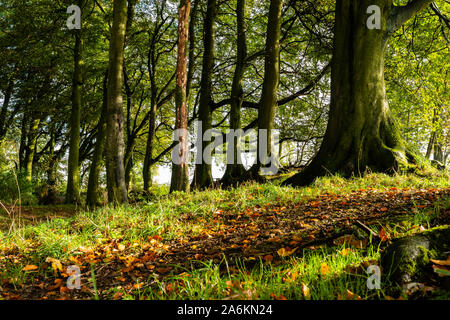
(117, 191)
(203, 176)
(92, 197)
(235, 169)
(180, 171)
(361, 132)
(73, 175)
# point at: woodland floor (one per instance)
(228, 242)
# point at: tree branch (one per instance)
(400, 14)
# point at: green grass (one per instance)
(265, 280)
(165, 215)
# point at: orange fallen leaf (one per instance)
(163, 270)
(268, 258)
(198, 256)
(442, 262)
(64, 289)
(30, 267)
(345, 251)
(284, 252)
(280, 297)
(383, 235)
(137, 285)
(324, 268)
(118, 295)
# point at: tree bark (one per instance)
(117, 191)
(92, 197)
(268, 103)
(235, 169)
(180, 171)
(4, 121)
(30, 149)
(73, 175)
(361, 132)
(203, 176)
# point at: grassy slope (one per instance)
(160, 225)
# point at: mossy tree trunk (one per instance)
(30, 148)
(361, 131)
(203, 176)
(180, 173)
(92, 197)
(117, 191)
(73, 165)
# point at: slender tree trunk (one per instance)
(23, 139)
(30, 149)
(73, 176)
(180, 171)
(48, 192)
(235, 169)
(361, 131)
(203, 176)
(117, 191)
(192, 46)
(148, 160)
(268, 104)
(4, 124)
(92, 197)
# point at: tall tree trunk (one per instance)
(117, 191)
(92, 197)
(23, 139)
(148, 159)
(203, 177)
(268, 104)
(73, 175)
(235, 169)
(48, 192)
(192, 46)
(4, 123)
(361, 131)
(30, 149)
(180, 170)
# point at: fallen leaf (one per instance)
(30, 267)
(137, 285)
(442, 262)
(284, 252)
(118, 295)
(324, 269)
(306, 292)
(280, 297)
(163, 270)
(383, 235)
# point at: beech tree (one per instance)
(73, 165)
(180, 171)
(203, 176)
(361, 132)
(115, 171)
